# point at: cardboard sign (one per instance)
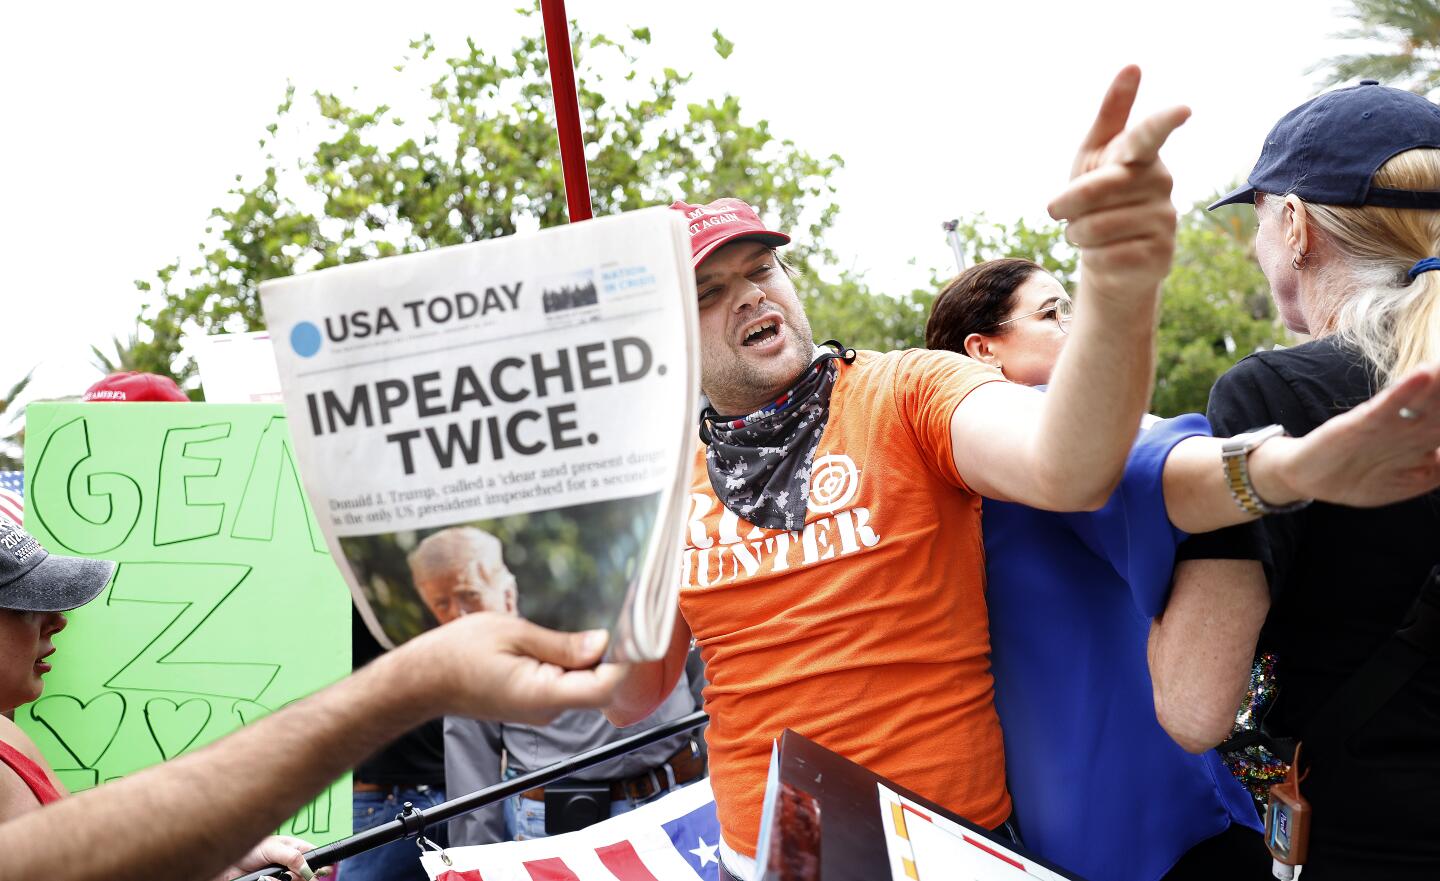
(226, 605)
(236, 368)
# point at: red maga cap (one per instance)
(722, 222)
(134, 386)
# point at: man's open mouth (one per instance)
(761, 332)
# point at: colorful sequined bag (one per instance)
(1255, 757)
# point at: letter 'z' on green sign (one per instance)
(225, 605)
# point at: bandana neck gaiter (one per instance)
(759, 465)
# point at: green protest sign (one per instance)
(225, 605)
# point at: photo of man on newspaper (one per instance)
(461, 570)
(537, 565)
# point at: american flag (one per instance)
(674, 839)
(12, 495)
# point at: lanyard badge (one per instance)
(1287, 822)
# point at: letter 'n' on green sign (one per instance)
(272, 473)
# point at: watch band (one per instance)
(1235, 459)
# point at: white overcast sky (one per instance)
(125, 123)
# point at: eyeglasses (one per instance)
(1061, 311)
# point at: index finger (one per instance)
(1114, 109)
(1141, 144)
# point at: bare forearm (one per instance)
(192, 817)
(1197, 495)
(1098, 393)
(1069, 453)
(1202, 647)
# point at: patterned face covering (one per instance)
(759, 464)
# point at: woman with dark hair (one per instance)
(1347, 190)
(1098, 785)
(1008, 313)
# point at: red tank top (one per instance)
(31, 773)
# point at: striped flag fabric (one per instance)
(12, 495)
(924, 846)
(676, 838)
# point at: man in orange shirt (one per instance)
(833, 573)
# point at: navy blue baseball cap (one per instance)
(1328, 149)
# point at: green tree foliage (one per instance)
(1411, 27)
(484, 163)
(723, 47)
(1216, 308)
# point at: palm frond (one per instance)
(125, 357)
(102, 362)
(1388, 68)
(1414, 20)
(15, 390)
(1411, 28)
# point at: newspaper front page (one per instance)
(501, 426)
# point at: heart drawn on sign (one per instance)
(249, 711)
(77, 779)
(175, 727)
(85, 729)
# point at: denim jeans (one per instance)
(525, 818)
(398, 860)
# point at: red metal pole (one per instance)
(567, 109)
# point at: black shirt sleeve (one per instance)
(1253, 395)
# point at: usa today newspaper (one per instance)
(501, 426)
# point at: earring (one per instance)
(1298, 261)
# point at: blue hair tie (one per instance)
(1424, 265)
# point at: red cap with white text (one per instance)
(722, 222)
(132, 386)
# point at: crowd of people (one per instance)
(995, 579)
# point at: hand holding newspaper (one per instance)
(501, 426)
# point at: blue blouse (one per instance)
(1099, 787)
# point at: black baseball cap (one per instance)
(34, 580)
(1328, 149)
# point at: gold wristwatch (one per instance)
(1235, 458)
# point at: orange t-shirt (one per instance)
(867, 631)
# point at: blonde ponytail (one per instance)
(1392, 319)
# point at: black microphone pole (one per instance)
(412, 823)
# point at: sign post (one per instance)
(567, 109)
(952, 235)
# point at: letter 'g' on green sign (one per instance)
(225, 605)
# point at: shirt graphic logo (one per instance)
(833, 482)
(733, 549)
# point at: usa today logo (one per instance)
(305, 339)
